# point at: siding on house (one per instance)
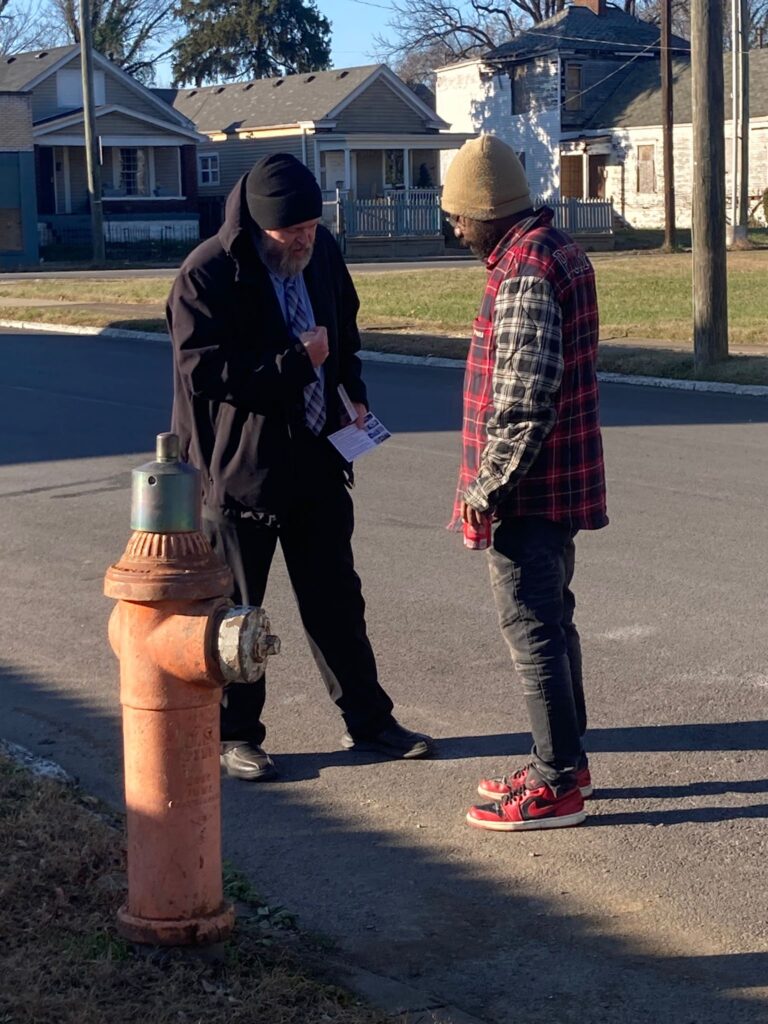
(237, 156)
(474, 99)
(643, 207)
(45, 101)
(118, 93)
(380, 109)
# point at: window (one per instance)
(208, 169)
(69, 88)
(133, 172)
(573, 86)
(646, 168)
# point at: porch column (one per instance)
(347, 168)
(406, 168)
(585, 174)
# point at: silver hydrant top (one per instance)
(166, 496)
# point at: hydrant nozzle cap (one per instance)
(167, 448)
(166, 494)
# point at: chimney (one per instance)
(596, 6)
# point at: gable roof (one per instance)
(581, 30)
(72, 118)
(19, 70)
(638, 102)
(287, 101)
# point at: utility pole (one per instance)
(740, 123)
(710, 286)
(92, 156)
(670, 237)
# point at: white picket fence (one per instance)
(415, 213)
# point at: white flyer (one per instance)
(352, 442)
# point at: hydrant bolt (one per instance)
(244, 642)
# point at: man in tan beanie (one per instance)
(532, 471)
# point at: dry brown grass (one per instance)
(61, 879)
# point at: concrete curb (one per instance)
(713, 387)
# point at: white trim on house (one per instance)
(60, 63)
(399, 87)
(208, 154)
(67, 181)
(111, 140)
(68, 120)
(137, 87)
(369, 140)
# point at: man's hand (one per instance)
(315, 342)
(362, 412)
(476, 519)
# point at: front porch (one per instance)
(382, 192)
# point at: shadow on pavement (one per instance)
(402, 904)
(114, 397)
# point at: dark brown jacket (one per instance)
(239, 374)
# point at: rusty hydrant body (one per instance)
(179, 640)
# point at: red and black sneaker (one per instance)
(527, 809)
(503, 785)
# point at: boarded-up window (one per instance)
(571, 177)
(573, 87)
(646, 168)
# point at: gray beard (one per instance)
(281, 262)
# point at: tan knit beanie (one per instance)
(485, 181)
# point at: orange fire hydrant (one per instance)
(179, 640)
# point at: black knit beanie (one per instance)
(280, 192)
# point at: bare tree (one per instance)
(131, 32)
(427, 33)
(22, 27)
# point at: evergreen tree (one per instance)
(231, 39)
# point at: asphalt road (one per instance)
(655, 910)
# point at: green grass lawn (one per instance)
(642, 295)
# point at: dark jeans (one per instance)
(315, 535)
(532, 562)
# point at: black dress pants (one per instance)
(315, 534)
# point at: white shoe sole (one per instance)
(563, 821)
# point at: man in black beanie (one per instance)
(263, 322)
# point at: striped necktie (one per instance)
(314, 399)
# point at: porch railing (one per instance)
(397, 214)
(582, 216)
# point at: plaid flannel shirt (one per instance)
(531, 432)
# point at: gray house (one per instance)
(360, 130)
(148, 167)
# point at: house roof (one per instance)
(19, 69)
(579, 29)
(638, 102)
(272, 102)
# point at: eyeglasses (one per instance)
(452, 219)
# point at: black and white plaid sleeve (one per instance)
(526, 376)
